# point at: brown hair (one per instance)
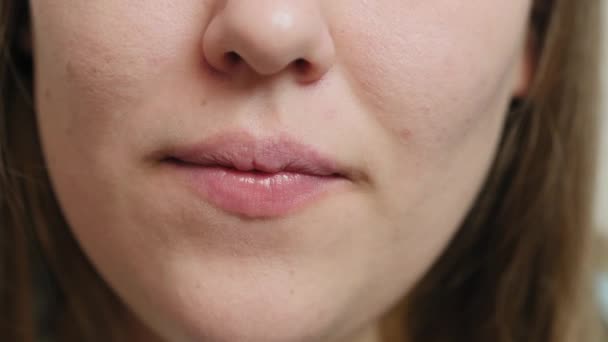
(516, 270)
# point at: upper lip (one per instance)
(244, 152)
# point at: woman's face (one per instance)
(401, 101)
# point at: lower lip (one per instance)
(258, 195)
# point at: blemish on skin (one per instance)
(204, 102)
(331, 114)
(404, 134)
(47, 93)
(69, 68)
(94, 70)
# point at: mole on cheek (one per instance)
(404, 134)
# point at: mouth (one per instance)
(257, 178)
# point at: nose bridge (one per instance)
(269, 36)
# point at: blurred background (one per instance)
(602, 193)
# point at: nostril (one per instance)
(232, 57)
(301, 65)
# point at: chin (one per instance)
(233, 304)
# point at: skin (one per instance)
(411, 95)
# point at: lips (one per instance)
(253, 177)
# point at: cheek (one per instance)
(437, 77)
(98, 64)
(433, 69)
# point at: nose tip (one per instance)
(268, 37)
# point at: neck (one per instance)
(374, 332)
(369, 334)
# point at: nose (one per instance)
(269, 37)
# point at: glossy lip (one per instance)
(254, 177)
